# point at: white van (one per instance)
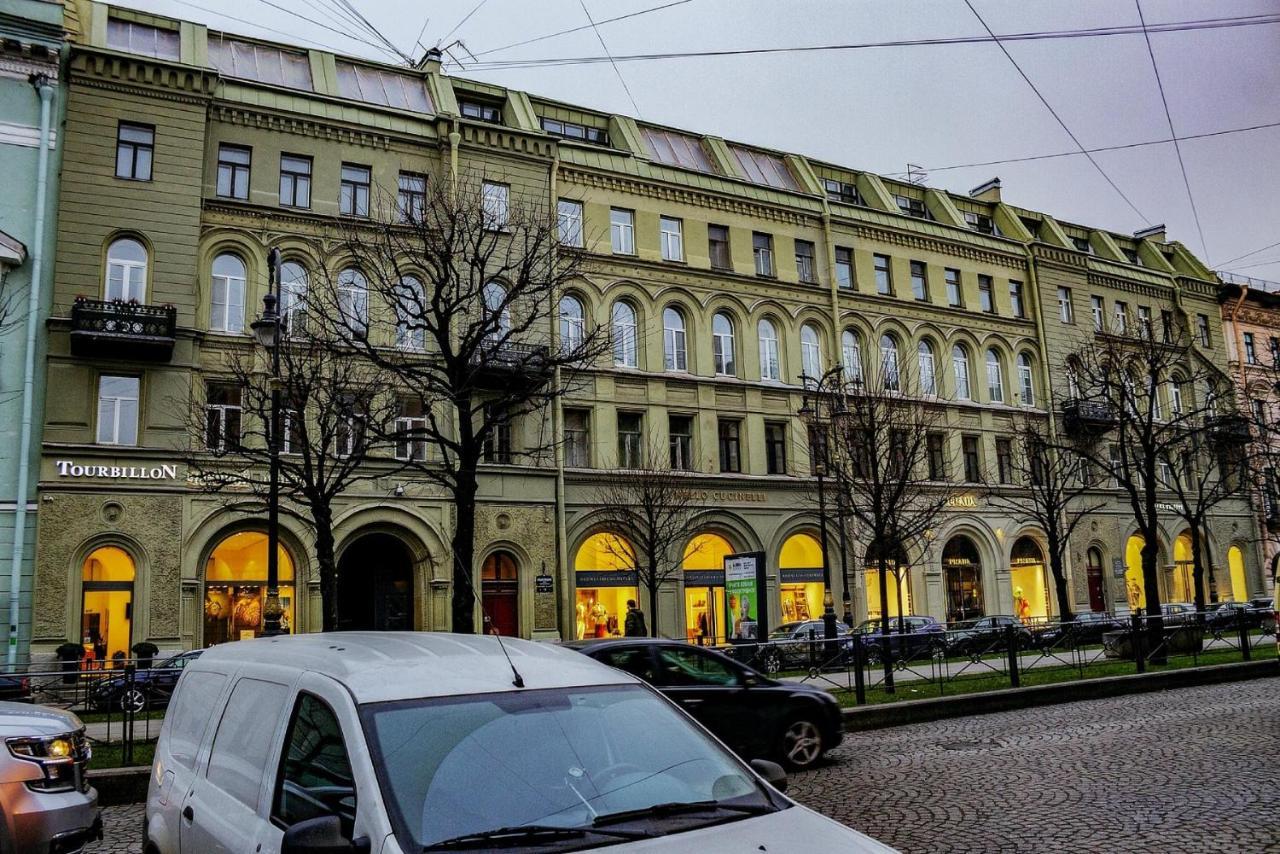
(408, 742)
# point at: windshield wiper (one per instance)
(679, 807)
(526, 834)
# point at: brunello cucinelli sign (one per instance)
(162, 471)
(727, 496)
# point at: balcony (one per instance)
(1087, 417)
(502, 365)
(1230, 429)
(123, 330)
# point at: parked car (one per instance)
(400, 742)
(910, 638)
(14, 686)
(1265, 608)
(1178, 613)
(753, 714)
(798, 645)
(1228, 616)
(1084, 627)
(150, 688)
(46, 802)
(987, 634)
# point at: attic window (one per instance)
(912, 207)
(1082, 245)
(481, 112)
(762, 168)
(384, 88)
(677, 149)
(258, 62)
(842, 191)
(980, 223)
(132, 37)
(574, 130)
(1131, 255)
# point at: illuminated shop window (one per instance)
(1134, 590)
(897, 578)
(235, 588)
(107, 613)
(962, 570)
(703, 595)
(1027, 575)
(800, 579)
(1182, 584)
(605, 578)
(1235, 566)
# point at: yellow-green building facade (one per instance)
(676, 224)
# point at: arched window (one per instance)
(675, 355)
(704, 607)
(573, 323)
(607, 581)
(1025, 380)
(851, 354)
(293, 297)
(624, 335)
(409, 304)
(801, 595)
(722, 344)
(498, 315)
(810, 353)
(126, 271)
(770, 365)
(235, 588)
(995, 377)
(107, 608)
(227, 311)
(353, 300)
(960, 362)
(1175, 395)
(889, 362)
(928, 378)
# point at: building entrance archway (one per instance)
(106, 612)
(1097, 594)
(500, 593)
(962, 569)
(375, 585)
(235, 588)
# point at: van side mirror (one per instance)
(321, 835)
(771, 772)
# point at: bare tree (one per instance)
(651, 507)
(1052, 490)
(332, 409)
(457, 293)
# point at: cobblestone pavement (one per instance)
(1193, 769)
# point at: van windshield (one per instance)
(576, 765)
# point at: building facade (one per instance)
(31, 107)
(722, 272)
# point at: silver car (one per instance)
(46, 804)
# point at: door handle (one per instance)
(188, 813)
(691, 701)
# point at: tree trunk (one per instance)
(653, 601)
(886, 652)
(1060, 582)
(1197, 566)
(1151, 586)
(322, 518)
(463, 546)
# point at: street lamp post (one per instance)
(267, 329)
(811, 415)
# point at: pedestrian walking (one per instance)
(634, 626)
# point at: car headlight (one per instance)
(57, 757)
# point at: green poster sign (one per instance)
(744, 589)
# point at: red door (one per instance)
(1097, 597)
(499, 594)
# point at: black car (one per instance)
(910, 638)
(151, 688)
(987, 634)
(798, 645)
(1085, 627)
(14, 687)
(751, 713)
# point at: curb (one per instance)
(120, 785)
(885, 715)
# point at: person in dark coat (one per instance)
(634, 627)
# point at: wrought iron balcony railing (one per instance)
(127, 330)
(508, 362)
(1087, 417)
(1230, 429)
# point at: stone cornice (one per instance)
(1098, 278)
(22, 66)
(507, 140)
(304, 126)
(929, 243)
(1058, 256)
(139, 76)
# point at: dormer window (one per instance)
(1082, 245)
(481, 111)
(911, 207)
(980, 223)
(842, 191)
(573, 130)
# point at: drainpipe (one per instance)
(557, 427)
(45, 89)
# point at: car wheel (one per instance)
(873, 656)
(772, 662)
(937, 649)
(802, 743)
(132, 700)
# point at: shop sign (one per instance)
(726, 496)
(1117, 567)
(744, 593)
(603, 578)
(164, 471)
(967, 501)
(543, 584)
(704, 578)
(802, 576)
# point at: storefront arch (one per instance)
(375, 584)
(1182, 576)
(1134, 589)
(703, 565)
(962, 574)
(1029, 580)
(605, 580)
(1095, 577)
(500, 593)
(1235, 569)
(897, 582)
(800, 578)
(108, 574)
(235, 588)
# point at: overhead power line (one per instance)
(294, 37)
(1173, 134)
(1251, 254)
(605, 48)
(465, 18)
(599, 23)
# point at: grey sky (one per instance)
(878, 109)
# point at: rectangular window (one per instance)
(986, 295)
(1250, 350)
(919, 281)
(118, 410)
(1166, 325)
(401, 91)
(677, 149)
(233, 171)
(730, 445)
(1202, 323)
(1117, 464)
(805, 267)
(1004, 460)
(844, 267)
(762, 247)
(266, 64)
(411, 430)
(1066, 312)
(630, 440)
(1144, 321)
(671, 237)
(353, 191)
(573, 130)
(775, 446)
(1082, 245)
(577, 438)
(1275, 352)
(497, 446)
(680, 430)
(911, 207)
(496, 202)
(295, 181)
(1131, 255)
(411, 196)
(1015, 299)
(972, 461)
(841, 191)
(955, 294)
(622, 231)
(1121, 314)
(980, 222)
(718, 246)
(884, 279)
(348, 435)
(315, 764)
(134, 37)
(937, 456)
(481, 112)
(760, 167)
(222, 410)
(135, 147)
(570, 223)
(1099, 308)
(243, 741)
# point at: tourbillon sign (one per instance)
(164, 471)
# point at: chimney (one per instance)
(430, 61)
(988, 192)
(1155, 232)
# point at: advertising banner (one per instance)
(744, 592)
